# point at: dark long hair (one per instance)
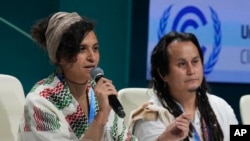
(160, 56)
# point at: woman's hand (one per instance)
(177, 130)
(103, 89)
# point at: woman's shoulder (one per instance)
(223, 110)
(214, 99)
(44, 88)
(220, 105)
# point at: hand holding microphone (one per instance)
(97, 74)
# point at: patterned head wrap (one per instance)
(57, 25)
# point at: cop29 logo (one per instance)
(214, 55)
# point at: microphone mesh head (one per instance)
(96, 72)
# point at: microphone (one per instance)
(96, 74)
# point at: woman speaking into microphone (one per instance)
(63, 106)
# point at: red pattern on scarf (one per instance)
(75, 116)
(48, 91)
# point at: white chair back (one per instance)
(11, 106)
(244, 108)
(132, 98)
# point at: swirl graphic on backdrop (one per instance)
(15, 27)
(213, 57)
